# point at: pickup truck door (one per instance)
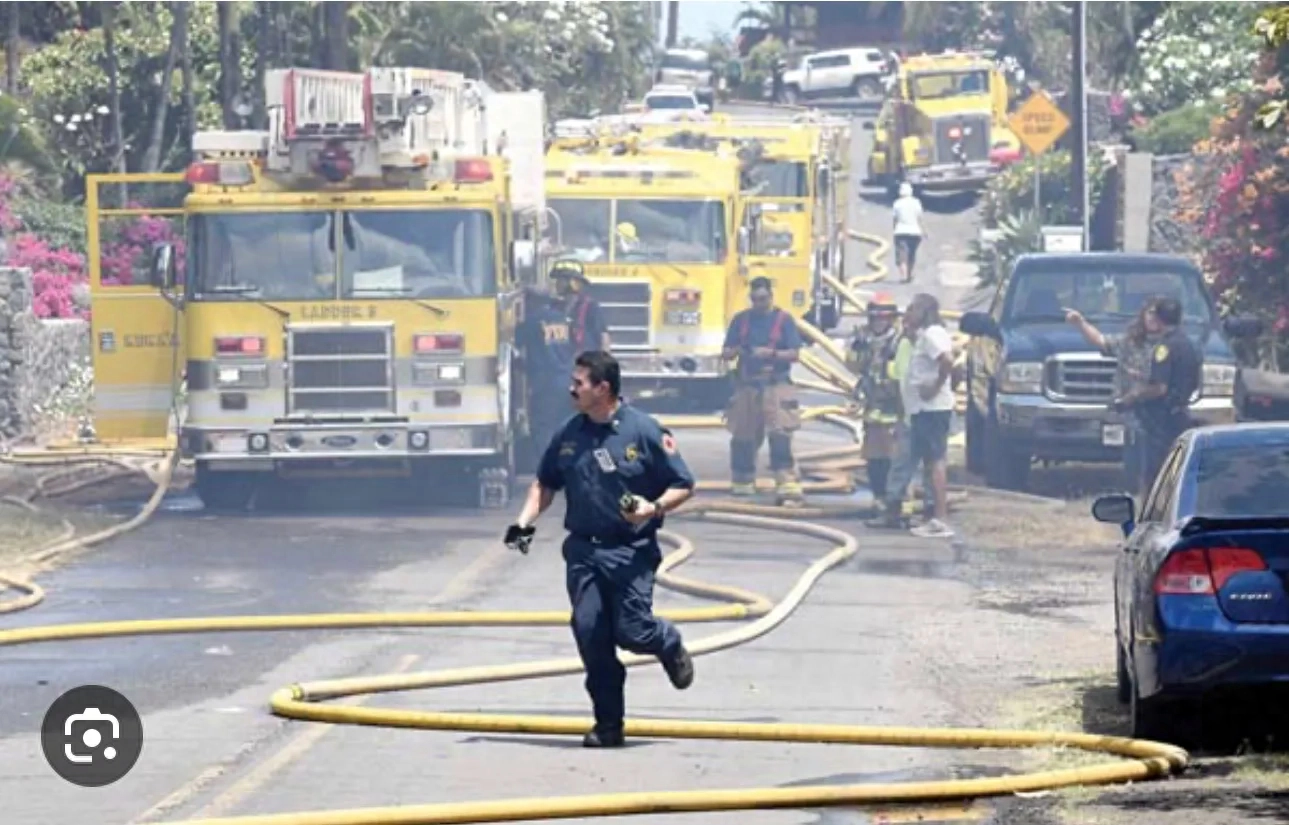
(986, 354)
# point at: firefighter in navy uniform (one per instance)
(871, 357)
(766, 342)
(589, 330)
(1162, 403)
(545, 338)
(620, 472)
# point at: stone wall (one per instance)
(41, 362)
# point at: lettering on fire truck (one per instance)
(164, 339)
(333, 312)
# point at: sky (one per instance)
(699, 17)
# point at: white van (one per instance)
(691, 68)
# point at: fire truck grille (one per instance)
(347, 370)
(627, 308)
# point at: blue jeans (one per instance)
(903, 465)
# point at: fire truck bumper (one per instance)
(953, 176)
(281, 445)
(666, 365)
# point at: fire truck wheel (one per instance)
(228, 490)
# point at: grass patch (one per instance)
(23, 531)
(1268, 771)
(1012, 525)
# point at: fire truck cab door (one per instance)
(135, 331)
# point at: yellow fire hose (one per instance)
(303, 701)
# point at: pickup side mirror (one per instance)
(163, 266)
(979, 324)
(1246, 326)
(1116, 509)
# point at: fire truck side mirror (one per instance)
(163, 266)
(523, 261)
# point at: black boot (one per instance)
(604, 739)
(680, 668)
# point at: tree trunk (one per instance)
(11, 46)
(114, 93)
(178, 46)
(335, 49)
(230, 67)
(189, 97)
(266, 48)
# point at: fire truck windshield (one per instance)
(776, 179)
(641, 231)
(936, 85)
(423, 253)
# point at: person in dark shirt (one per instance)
(585, 317)
(766, 342)
(546, 341)
(1162, 403)
(620, 471)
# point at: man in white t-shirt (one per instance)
(927, 393)
(907, 212)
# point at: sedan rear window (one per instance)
(1249, 480)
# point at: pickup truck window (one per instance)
(1044, 295)
(1243, 481)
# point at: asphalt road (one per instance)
(212, 748)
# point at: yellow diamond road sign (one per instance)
(1038, 123)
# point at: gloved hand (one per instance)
(518, 538)
(1118, 405)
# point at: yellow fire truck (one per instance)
(793, 191)
(656, 232)
(944, 125)
(346, 300)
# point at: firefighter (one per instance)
(766, 342)
(872, 358)
(625, 473)
(584, 314)
(545, 338)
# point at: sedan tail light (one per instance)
(1204, 571)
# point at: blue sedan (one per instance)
(1200, 584)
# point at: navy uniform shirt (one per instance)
(1175, 363)
(759, 327)
(548, 346)
(596, 464)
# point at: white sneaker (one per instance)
(932, 529)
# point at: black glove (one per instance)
(518, 538)
(1119, 405)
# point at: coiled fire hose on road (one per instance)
(1141, 760)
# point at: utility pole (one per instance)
(1079, 114)
(673, 23)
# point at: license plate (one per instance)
(1112, 435)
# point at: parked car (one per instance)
(691, 69)
(1201, 600)
(1037, 390)
(840, 73)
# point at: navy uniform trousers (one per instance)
(609, 565)
(610, 588)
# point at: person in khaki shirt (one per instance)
(766, 342)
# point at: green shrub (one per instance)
(1177, 131)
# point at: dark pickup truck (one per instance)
(1037, 390)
